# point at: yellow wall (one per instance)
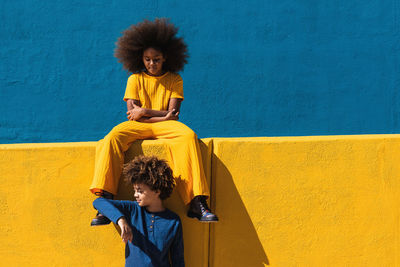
(46, 207)
(285, 201)
(307, 201)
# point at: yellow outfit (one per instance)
(184, 151)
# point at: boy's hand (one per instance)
(172, 115)
(126, 231)
(135, 113)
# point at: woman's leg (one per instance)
(185, 158)
(110, 160)
(186, 162)
(110, 154)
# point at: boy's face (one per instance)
(144, 195)
(153, 61)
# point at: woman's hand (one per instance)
(172, 115)
(135, 113)
(126, 231)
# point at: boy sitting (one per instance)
(152, 233)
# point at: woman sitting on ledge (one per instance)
(154, 92)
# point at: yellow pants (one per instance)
(184, 156)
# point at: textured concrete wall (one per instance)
(46, 207)
(278, 67)
(312, 201)
(285, 201)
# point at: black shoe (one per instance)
(198, 209)
(100, 219)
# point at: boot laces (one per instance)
(203, 206)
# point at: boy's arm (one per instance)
(126, 231)
(118, 212)
(176, 250)
(112, 209)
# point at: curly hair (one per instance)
(151, 171)
(159, 34)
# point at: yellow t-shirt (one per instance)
(154, 92)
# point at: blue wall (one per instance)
(256, 68)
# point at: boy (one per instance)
(152, 233)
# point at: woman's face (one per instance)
(153, 61)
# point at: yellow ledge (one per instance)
(282, 201)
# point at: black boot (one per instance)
(100, 219)
(198, 209)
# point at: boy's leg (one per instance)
(186, 162)
(110, 158)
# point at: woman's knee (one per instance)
(115, 133)
(189, 134)
(184, 131)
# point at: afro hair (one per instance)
(159, 34)
(151, 171)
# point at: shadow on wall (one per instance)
(234, 240)
(125, 189)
